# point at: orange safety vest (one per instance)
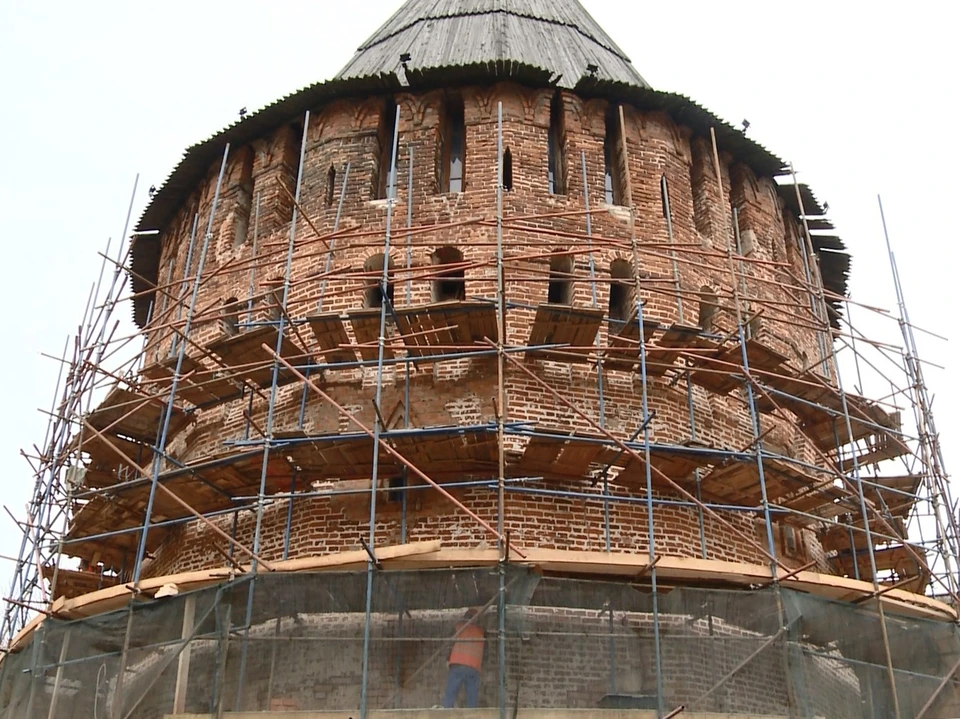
(468, 649)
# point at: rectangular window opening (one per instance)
(555, 177)
(454, 147)
(613, 164)
(385, 139)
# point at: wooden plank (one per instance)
(738, 482)
(330, 333)
(441, 328)
(671, 343)
(722, 373)
(623, 352)
(183, 661)
(453, 454)
(430, 555)
(114, 597)
(245, 355)
(483, 321)
(895, 558)
(434, 329)
(198, 385)
(135, 415)
(366, 330)
(564, 325)
(880, 448)
(103, 456)
(576, 457)
(73, 583)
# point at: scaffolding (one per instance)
(869, 473)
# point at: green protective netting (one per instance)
(381, 640)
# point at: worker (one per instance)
(465, 661)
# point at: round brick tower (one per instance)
(486, 321)
(611, 216)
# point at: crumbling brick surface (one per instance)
(342, 142)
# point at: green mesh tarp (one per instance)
(379, 641)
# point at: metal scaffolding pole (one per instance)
(501, 418)
(385, 279)
(935, 476)
(158, 456)
(271, 411)
(594, 304)
(645, 414)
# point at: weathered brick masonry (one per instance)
(346, 133)
(498, 160)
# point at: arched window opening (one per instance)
(621, 290)
(386, 134)
(665, 198)
(613, 164)
(754, 326)
(507, 170)
(373, 278)
(395, 487)
(291, 169)
(453, 143)
(700, 174)
(708, 308)
(449, 284)
(243, 197)
(229, 317)
(555, 147)
(274, 300)
(560, 287)
(331, 185)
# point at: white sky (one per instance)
(860, 96)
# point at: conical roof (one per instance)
(557, 36)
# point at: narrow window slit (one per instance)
(229, 317)
(560, 286)
(453, 142)
(331, 185)
(448, 284)
(373, 292)
(507, 170)
(621, 301)
(555, 155)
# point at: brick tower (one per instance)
(485, 322)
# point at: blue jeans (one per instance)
(469, 678)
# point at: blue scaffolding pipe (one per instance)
(514, 485)
(273, 498)
(501, 338)
(464, 354)
(184, 283)
(172, 474)
(406, 374)
(598, 496)
(253, 253)
(385, 304)
(600, 388)
(271, 409)
(168, 411)
(835, 413)
(390, 434)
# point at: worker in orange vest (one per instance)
(465, 661)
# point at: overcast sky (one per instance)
(861, 97)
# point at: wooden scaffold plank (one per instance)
(565, 325)
(245, 353)
(330, 334)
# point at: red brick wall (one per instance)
(461, 392)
